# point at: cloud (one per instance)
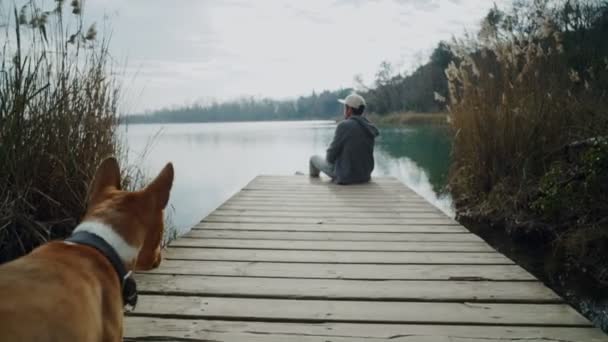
(188, 49)
(352, 2)
(421, 5)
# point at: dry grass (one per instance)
(516, 101)
(58, 120)
(533, 83)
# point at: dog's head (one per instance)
(136, 217)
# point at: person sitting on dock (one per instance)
(350, 157)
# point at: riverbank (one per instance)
(555, 226)
(409, 118)
(530, 162)
(577, 288)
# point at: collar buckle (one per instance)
(129, 292)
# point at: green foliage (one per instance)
(576, 190)
(414, 92)
(574, 199)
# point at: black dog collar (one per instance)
(127, 283)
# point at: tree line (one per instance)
(423, 90)
(323, 105)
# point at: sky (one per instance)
(176, 52)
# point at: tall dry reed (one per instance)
(58, 120)
(525, 89)
(527, 92)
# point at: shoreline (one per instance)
(536, 257)
(409, 118)
(393, 119)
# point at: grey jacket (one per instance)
(352, 150)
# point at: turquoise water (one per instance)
(215, 160)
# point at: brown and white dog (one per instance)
(71, 290)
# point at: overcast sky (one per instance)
(174, 52)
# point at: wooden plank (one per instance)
(359, 311)
(330, 236)
(328, 214)
(335, 245)
(394, 188)
(341, 191)
(344, 271)
(340, 196)
(328, 187)
(316, 185)
(330, 220)
(344, 202)
(307, 189)
(285, 190)
(331, 196)
(306, 179)
(397, 290)
(336, 257)
(375, 228)
(323, 182)
(164, 329)
(321, 209)
(299, 251)
(310, 181)
(395, 205)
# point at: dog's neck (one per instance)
(125, 251)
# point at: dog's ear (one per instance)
(106, 176)
(160, 187)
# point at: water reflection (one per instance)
(213, 161)
(419, 156)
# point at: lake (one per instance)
(215, 160)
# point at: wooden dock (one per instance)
(291, 258)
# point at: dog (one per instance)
(76, 290)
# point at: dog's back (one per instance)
(56, 293)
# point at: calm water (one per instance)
(215, 160)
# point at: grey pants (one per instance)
(318, 164)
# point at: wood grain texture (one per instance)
(419, 246)
(326, 214)
(285, 206)
(337, 256)
(344, 271)
(298, 259)
(270, 204)
(327, 227)
(396, 290)
(197, 330)
(359, 311)
(331, 220)
(330, 236)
